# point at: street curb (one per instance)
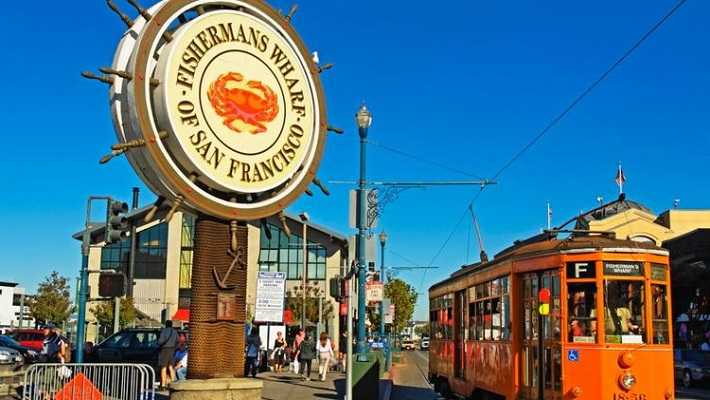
(385, 389)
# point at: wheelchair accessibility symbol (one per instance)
(573, 355)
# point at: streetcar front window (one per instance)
(624, 320)
(660, 314)
(581, 306)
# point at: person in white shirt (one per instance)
(325, 353)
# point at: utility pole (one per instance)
(383, 278)
(134, 242)
(549, 216)
(304, 220)
(116, 314)
(364, 121)
(22, 308)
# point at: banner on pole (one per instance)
(270, 297)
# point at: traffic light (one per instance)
(116, 221)
(336, 288)
(544, 299)
(112, 285)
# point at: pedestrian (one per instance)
(306, 355)
(279, 350)
(343, 347)
(167, 341)
(253, 348)
(54, 348)
(325, 353)
(180, 361)
(297, 340)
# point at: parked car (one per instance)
(10, 357)
(424, 345)
(30, 338)
(135, 345)
(28, 354)
(692, 366)
(408, 344)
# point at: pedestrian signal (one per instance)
(544, 299)
(112, 285)
(336, 288)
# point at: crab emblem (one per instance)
(232, 100)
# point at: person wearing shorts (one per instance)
(166, 345)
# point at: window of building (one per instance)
(150, 257)
(284, 254)
(187, 237)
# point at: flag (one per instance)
(620, 178)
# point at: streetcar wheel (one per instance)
(687, 379)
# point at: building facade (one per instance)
(13, 306)
(163, 266)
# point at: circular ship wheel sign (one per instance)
(229, 104)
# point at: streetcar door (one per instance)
(460, 335)
(541, 347)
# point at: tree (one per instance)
(404, 298)
(422, 330)
(52, 302)
(103, 312)
(294, 302)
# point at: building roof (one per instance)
(8, 284)
(608, 210)
(140, 213)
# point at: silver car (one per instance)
(692, 366)
(9, 356)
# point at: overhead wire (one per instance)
(424, 160)
(560, 116)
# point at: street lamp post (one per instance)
(364, 121)
(304, 220)
(383, 278)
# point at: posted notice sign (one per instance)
(270, 296)
(375, 292)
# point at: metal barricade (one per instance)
(89, 382)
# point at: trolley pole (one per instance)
(364, 121)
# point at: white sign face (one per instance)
(375, 292)
(230, 109)
(389, 314)
(270, 297)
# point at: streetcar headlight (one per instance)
(627, 380)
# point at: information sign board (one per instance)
(270, 297)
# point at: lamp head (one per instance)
(363, 117)
(303, 216)
(383, 237)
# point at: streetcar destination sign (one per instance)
(230, 109)
(623, 268)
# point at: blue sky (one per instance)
(466, 84)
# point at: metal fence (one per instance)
(89, 382)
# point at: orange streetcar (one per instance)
(581, 317)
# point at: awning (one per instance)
(182, 314)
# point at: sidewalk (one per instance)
(289, 386)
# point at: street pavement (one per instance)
(409, 377)
(289, 386)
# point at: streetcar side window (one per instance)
(581, 306)
(660, 314)
(624, 319)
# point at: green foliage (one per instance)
(404, 298)
(53, 301)
(103, 312)
(294, 302)
(422, 330)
